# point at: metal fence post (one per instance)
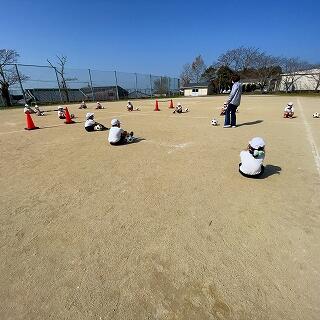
(55, 70)
(136, 85)
(93, 97)
(24, 96)
(151, 95)
(117, 91)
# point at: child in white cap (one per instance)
(99, 106)
(28, 109)
(83, 105)
(91, 125)
(61, 114)
(288, 110)
(117, 135)
(179, 109)
(251, 165)
(131, 108)
(38, 111)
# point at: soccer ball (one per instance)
(186, 110)
(130, 139)
(316, 115)
(98, 127)
(214, 122)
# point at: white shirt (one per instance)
(115, 134)
(89, 123)
(287, 109)
(249, 164)
(61, 113)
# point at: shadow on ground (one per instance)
(249, 123)
(270, 170)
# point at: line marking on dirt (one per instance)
(311, 140)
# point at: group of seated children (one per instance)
(288, 110)
(251, 165)
(131, 108)
(91, 125)
(84, 106)
(179, 109)
(36, 110)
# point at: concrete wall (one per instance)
(303, 81)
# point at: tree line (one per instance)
(261, 69)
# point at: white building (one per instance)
(196, 89)
(299, 81)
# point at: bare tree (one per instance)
(186, 74)
(60, 69)
(292, 71)
(239, 59)
(266, 69)
(8, 74)
(198, 67)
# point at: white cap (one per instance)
(36, 106)
(129, 101)
(257, 143)
(115, 122)
(26, 105)
(98, 102)
(290, 104)
(89, 115)
(59, 108)
(178, 104)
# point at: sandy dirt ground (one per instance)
(165, 228)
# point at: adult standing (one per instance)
(233, 102)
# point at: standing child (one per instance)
(288, 110)
(117, 135)
(251, 165)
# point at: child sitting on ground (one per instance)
(179, 109)
(288, 110)
(131, 108)
(224, 109)
(38, 111)
(251, 165)
(117, 135)
(62, 113)
(99, 106)
(28, 109)
(91, 125)
(83, 105)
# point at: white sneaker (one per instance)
(227, 126)
(233, 127)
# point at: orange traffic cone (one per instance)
(30, 124)
(68, 118)
(156, 108)
(171, 104)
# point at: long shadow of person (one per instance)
(270, 170)
(249, 123)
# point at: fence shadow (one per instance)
(249, 123)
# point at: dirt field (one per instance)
(165, 228)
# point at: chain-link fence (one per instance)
(46, 84)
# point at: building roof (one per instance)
(196, 85)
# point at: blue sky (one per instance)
(156, 36)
